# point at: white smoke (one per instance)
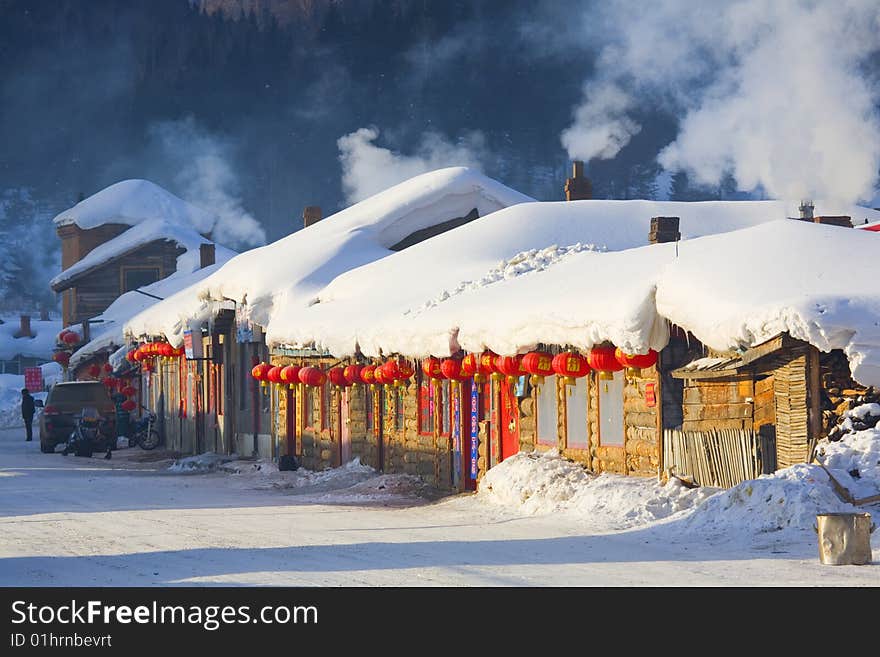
(773, 91)
(368, 169)
(207, 180)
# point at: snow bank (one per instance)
(10, 396)
(544, 483)
(290, 273)
(200, 463)
(131, 202)
(854, 460)
(788, 499)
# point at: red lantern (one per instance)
(397, 370)
(510, 366)
(452, 369)
(635, 363)
(128, 405)
(260, 373)
(129, 391)
(603, 361)
(165, 350)
(108, 368)
(368, 374)
(70, 338)
(431, 368)
(352, 374)
(274, 374)
(94, 370)
(312, 376)
(570, 366)
(487, 365)
(290, 375)
(109, 382)
(379, 376)
(539, 364)
(61, 357)
(131, 355)
(337, 377)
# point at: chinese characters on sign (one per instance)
(475, 429)
(33, 379)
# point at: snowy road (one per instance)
(67, 521)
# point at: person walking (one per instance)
(27, 412)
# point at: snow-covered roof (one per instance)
(108, 331)
(136, 237)
(293, 270)
(41, 345)
(132, 202)
(428, 298)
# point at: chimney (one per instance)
(664, 229)
(44, 315)
(311, 215)
(838, 220)
(24, 330)
(206, 255)
(806, 209)
(578, 187)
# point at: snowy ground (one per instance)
(133, 520)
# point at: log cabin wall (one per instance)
(720, 403)
(641, 408)
(404, 449)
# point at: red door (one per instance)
(344, 428)
(509, 421)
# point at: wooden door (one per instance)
(509, 421)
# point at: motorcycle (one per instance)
(144, 433)
(91, 433)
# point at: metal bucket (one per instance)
(844, 538)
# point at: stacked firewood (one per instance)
(846, 419)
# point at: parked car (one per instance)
(64, 402)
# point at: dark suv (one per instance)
(64, 401)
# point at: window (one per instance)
(444, 408)
(548, 428)
(577, 436)
(325, 406)
(398, 407)
(135, 277)
(308, 402)
(368, 403)
(426, 406)
(611, 431)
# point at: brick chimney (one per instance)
(578, 187)
(311, 215)
(664, 229)
(24, 329)
(806, 210)
(206, 255)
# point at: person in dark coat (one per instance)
(27, 412)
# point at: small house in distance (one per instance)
(123, 238)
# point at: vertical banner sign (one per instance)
(650, 395)
(475, 428)
(456, 435)
(33, 379)
(188, 344)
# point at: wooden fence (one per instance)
(721, 457)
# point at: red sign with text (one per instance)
(33, 379)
